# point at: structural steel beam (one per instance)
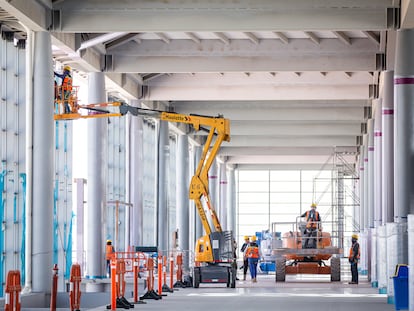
(197, 15)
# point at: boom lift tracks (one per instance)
(214, 259)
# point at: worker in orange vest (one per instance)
(253, 255)
(354, 255)
(109, 254)
(66, 87)
(313, 221)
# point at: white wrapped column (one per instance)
(410, 220)
(43, 168)
(96, 183)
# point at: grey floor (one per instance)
(303, 293)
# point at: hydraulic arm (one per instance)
(219, 128)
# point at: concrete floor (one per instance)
(296, 294)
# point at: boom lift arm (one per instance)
(219, 127)
(214, 259)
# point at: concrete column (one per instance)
(388, 148)
(97, 171)
(213, 184)
(222, 208)
(163, 156)
(182, 209)
(231, 199)
(410, 220)
(199, 231)
(43, 159)
(370, 173)
(382, 259)
(136, 160)
(361, 185)
(377, 162)
(403, 127)
(365, 191)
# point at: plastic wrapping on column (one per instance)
(410, 223)
(382, 259)
(2, 174)
(182, 209)
(363, 241)
(373, 252)
(392, 258)
(23, 246)
(162, 208)
(43, 171)
(97, 153)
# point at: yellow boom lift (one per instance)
(214, 253)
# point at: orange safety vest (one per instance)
(312, 223)
(109, 252)
(252, 251)
(67, 83)
(352, 252)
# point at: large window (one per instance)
(267, 196)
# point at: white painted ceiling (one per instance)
(296, 78)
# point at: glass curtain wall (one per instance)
(268, 196)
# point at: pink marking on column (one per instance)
(387, 111)
(405, 80)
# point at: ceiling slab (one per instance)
(220, 16)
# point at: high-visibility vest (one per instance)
(354, 249)
(109, 251)
(252, 251)
(67, 83)
(312, 222)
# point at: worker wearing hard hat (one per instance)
(109, 254)
(65, 86)
(313, 224)
(354, 255)
(245, 260)
(253, 255)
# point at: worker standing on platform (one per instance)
(253, 255)
(313, 222)
(354, 255)
(245, 260)
(65, 87)
(110, 250)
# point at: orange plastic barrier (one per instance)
(75, 292)
(113, 284)
(150, 294)
(171, 272)
(165, 287)
(159, 275)
(13, 288)
(120, 270)
(179, 282)
(138, 262)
